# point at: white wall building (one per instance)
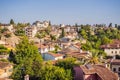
(43, 48)
(112, 49)
(43, 24)
(112, 52)
(115, 66)
(30, 31)
(8, 26)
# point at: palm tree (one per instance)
(3, 50)
(95, 57)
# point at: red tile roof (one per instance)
(55, 55)
(103, 72)
(114, 45)
(115, 61)
(4, 64)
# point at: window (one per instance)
(112, 52)
(119, 68)
(115, 52)
(114, 69)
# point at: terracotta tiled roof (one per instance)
(55, 55)
(115, 61)
(4, 24)
(2, 79)
(103, 72)
(114, 45)
(5, 79)
(4, 64)
(43, 45)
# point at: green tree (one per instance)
(67, 63)
(7, 35)
(105, 40)
(110, 25)
(116, 26)
(3, 50)
(27, 57)
(11, 21)
(19, 32)
(93, 58)
(57, 48)
(83, 33)
(11, 56)
(63, 33)
(53, 37)
(87, 46)
(3, 30)
(50, 72)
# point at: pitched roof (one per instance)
(114, 45)
(4, 64)
(5, 79)
(103, 72)
(44, 45)
(54, 55)
(115, 61)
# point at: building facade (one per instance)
(30, 31)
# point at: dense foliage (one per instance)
(3, 50)
(27, 60)
(50, 72)
(97, 36)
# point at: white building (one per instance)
(112, 49)
(43, 24)
(115, 66)
(43, 48)
(8, 26)
(30, 31)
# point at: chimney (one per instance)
(80, 50)
(106, 65)
(114, 57)
(26, 77)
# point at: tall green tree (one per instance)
(93, 58)
(63, 33)
(27, 58)
(110, 25)
(12, 21)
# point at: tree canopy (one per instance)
(12, 21)
(28, 58)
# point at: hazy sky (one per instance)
(61, 11)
